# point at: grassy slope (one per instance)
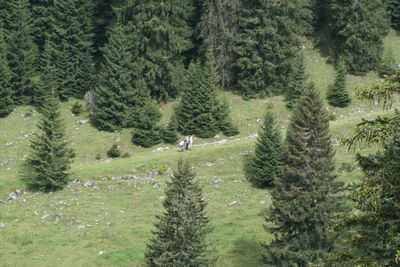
(43, 231)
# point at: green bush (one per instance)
(114, 151)
(76, 108)
(146, 138)
(388, 65)
(126, 155)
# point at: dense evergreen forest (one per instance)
(126, 58)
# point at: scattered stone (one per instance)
(2, 225)
(262, 202)
(9, 144)
(101, 252)
(162, 197)
(81, 227)
(245, 153)
(109, 223)
(82, 122)
(108, 160)
(206, 164)
(86, 184)
(161, 149)
(235, 202)
(217, 136)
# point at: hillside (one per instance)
(105, 221)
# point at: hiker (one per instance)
(187, 142)
(181, 144)
(191, 141)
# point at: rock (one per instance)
(82, 122)
(245, 153)
(101, 252)
(108, 160)
(235, 202)
(262, 202)
(9, 144)
(86, 184)
(206, 164)
(81, 227)
(109, 223)
(160, 149)
(2, 225)
(217, 136)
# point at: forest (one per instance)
(293, 106)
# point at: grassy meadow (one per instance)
(100, 221)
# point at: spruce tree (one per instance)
(200, 111)
(359, 28)
(180, 235)
(6, 102)
(143, 114)
(295, 89)
(394, 12)
(46, 82)
(195, 111)
(70, 38)
(388, 66)
(266, 163)
(41, 19)
(164, 35)
(371, 231)
(217, 30)
(146, 133)
(337, 95)
(224, 121)
(170, 133)
(265, 48)
(22, 52)
(304, 201)
(114, 81)
(47, 165)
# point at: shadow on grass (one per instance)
(246, 253)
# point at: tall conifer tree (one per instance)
(114, 81)
(194, 114)
(267, 161)
(164, 35)
(371, 233)
(359, 26)
(394, 12)
(217, 31)
(143, 114)
(180, 235)
(338, 96)
(41, 20)
(47, 165)
(265, 48)
(6, 102)
(71, 41)
(22, 52)
(303, 200)
(201, 112)
(295, 89)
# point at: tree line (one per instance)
(115, 49)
